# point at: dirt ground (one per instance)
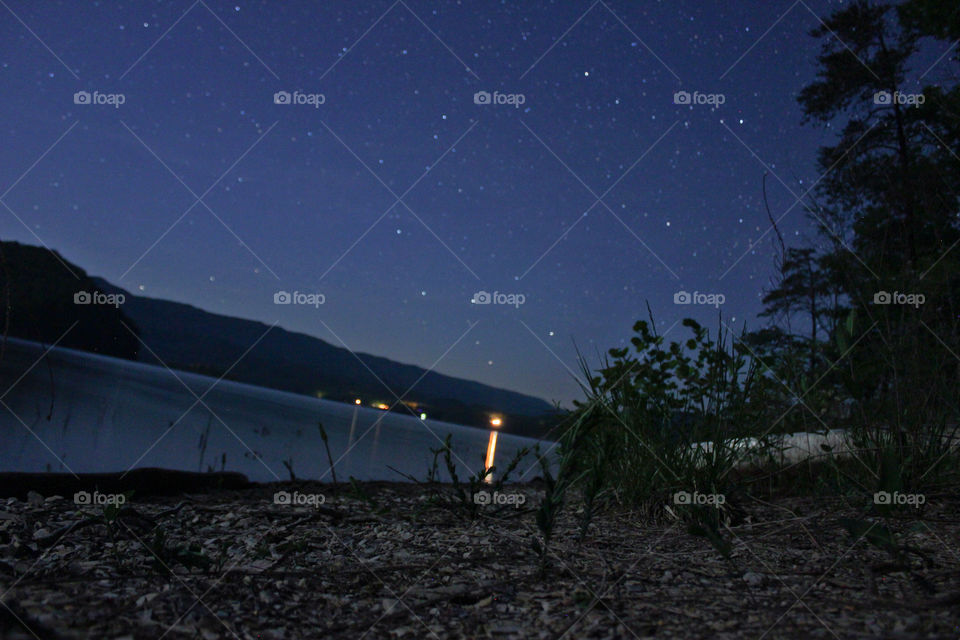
(386, 561)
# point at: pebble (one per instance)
(753, 579)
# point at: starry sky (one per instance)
(582, 188)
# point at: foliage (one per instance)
(660, 420)
(886, 215)
(466, 496)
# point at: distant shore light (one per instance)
(496, 422)
(357, 401)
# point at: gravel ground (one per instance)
(385, 560)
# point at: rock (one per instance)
(41, 534)
(753, 579)
(389, 605)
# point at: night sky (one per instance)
(400, 197)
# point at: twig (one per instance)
(319, 509)
(172, 510)
(783, 247)
(798, 518)
(134, 517)
(326, 445)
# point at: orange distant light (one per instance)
(357, 401)
(496, 422)
(491, 453)
(380, 405)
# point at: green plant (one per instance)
(167, 555)
(665, 418)
(555, 494)
(288, 463)
(705, 522)
(358, 492)
(905, 407)
(464, 494)
(113, 510)
(881, 537)
(112, 515)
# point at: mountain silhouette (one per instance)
(43, 307)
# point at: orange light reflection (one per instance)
(491, 452)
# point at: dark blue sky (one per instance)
(493, 197)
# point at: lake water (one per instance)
(79, 412)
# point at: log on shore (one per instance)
(143, 482)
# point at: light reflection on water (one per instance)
(491, 453)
